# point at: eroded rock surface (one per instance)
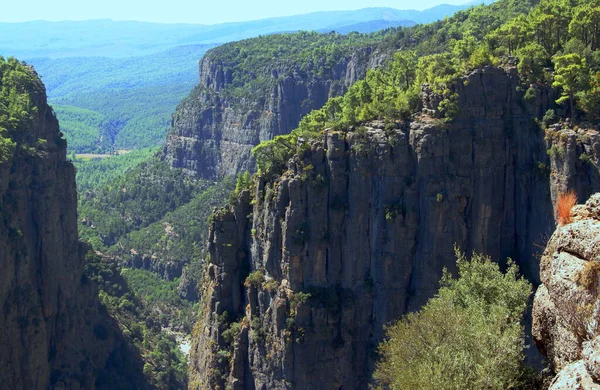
(358, 229)
(566, 305)
(54, 333)
(213, 133)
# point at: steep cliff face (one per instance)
(53, 333)
(213, 131)
(574, 157)
(358, 229)
(565, 309)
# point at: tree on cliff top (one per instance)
(469, 336)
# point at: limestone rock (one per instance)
(575, 377)
(566, 305)
(591, 357)
(213, 134)
(364, 222)
(54, 333)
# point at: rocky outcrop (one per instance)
(213, 132)
(54, 332)
(574, 155)
(566, 305)
(305, 273)
(166, 269)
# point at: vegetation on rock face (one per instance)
(18, 82)
(564, 206)
(552, 47)
(251, 68)
(165, 365)
(469, 336)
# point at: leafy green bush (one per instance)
(469, 336)
(255, 279)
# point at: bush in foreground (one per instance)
(469, 336)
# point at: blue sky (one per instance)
(189, 11)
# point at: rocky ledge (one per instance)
(567, 304)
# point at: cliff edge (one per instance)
(307, 268)
(567, 303)
(54, 331)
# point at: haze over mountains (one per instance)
(109, 38)
(305, 222)
(116, 83)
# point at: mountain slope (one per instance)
(54, 330)
(356, 213)
(134, 96)
(108, 38)
(112, 68)
(245, 97)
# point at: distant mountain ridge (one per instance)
(129, 76)
(107, 38)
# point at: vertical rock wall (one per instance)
(53, 333)
(213, 134)
(364, 222)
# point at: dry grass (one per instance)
(588, 276)
(564, 206)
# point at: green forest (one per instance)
(439, 54)
(136, 203)
(19, 87)
(118, 103)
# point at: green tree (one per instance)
(511, 36)
(402, 71)
(550, 22)
(585, 25)
(532, 60)
(572, 76)
(469, 336)
(590, 99)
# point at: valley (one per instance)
(249, 206)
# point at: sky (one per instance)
(189, 11)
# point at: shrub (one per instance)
(554, 152)
(469, 336)
(549, 118)
(564, 205)
(585, 158)
(255, 279)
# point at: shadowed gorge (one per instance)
(406, 207)
(55, 332)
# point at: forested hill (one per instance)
(122, 103)
(117, 83)
(297, 71)
(107, 38)
(253, 90)
(467, 137)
